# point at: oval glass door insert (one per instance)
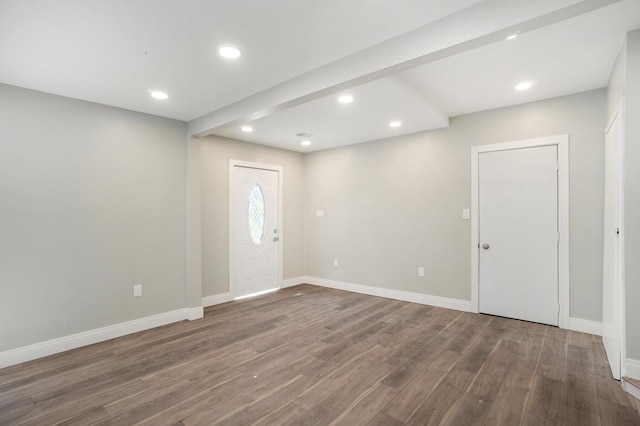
(256, 214)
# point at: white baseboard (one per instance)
(630, 388)
(54, 346)
(195, 313)
(290, 282)
(585, 326)
(407, 296)
(633, 369)
(216, 299)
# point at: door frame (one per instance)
(233, 164)
(562, 143)
(619, 111)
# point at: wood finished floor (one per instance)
(314, 356)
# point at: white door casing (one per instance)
(612, 284)
(255, 228)
(509, 263)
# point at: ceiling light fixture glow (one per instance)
(156, 94)
(305, 143)
(228, 51)
(345, 99)
(525, 85)
(395, 123)
(247, 129)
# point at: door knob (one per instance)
(276, 238)
(485, 246)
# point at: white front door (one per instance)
(518, 233)
(611, 284)
(255, 231)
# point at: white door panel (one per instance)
(255, 230)
(518, 233)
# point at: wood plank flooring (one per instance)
(314, 356)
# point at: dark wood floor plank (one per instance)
(330, 407)
(489, 379)
(341, 375)
(384, 420)
(437, 406)
(367, 408)
(609, 390)
(581, 393)
(264, 405)
(470, 410)
(286, 415)
(510, 402)
(508, 407)
(409, 399)
(619, 415)
(545, 401)
(580, 339)
(554, 355)
(313, 355)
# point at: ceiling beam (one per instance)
(481, 24)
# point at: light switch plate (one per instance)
(421, 271)
(319, 213)
(466, 214)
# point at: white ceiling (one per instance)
(419, 61)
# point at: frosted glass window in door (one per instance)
(256, 214)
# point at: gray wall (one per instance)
(215, 155)
(92, 202)
(632, 194)
(617, 81)
(393, 205)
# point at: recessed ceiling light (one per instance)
(247, 129)
(156, 94)
(345, 99)
(512, 36)
(395, 123)
(305, 143)
(228, 51)
(524, 85)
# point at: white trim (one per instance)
(631, 389)
(232, 180)
(290, 282)
(621, 242)
(195, 313)
(407, 296)
(216, 299)
(562, 142)
(54, 346)
(585, 326)
(633, 369)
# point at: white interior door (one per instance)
(518, 233)
(611, 283)
(255, 233)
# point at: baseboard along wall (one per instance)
(575, 324)
(633, 369)
(50, 347)
(54, 346)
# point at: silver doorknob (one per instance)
(485, 246)
(276, 238)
